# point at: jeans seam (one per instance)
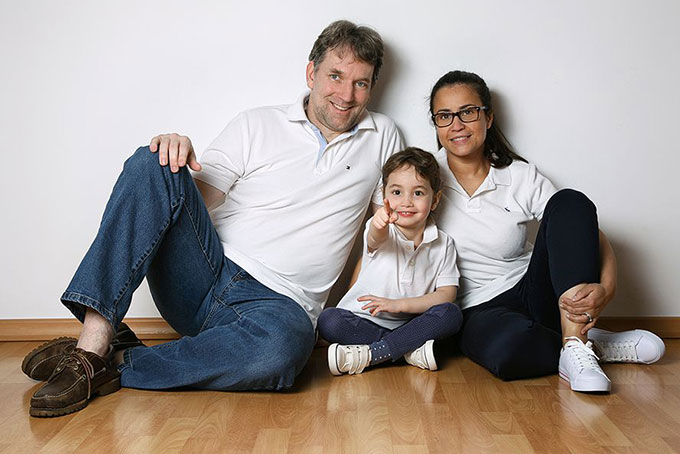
(198, 238)
(213, 309)
(229, 285)
(137, 266)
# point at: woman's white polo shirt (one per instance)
(490, 227)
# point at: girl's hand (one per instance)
(377, 304)
(384, 216)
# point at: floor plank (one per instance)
(391, 409)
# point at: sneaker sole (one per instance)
(107, 388)
(583, 388)
(333, 359)
(39, 349)
(429, 355)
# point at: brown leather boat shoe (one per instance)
(78, 377)
(40, 363)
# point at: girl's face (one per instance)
(411, 196)
(462, 140)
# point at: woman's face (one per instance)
(463, 140)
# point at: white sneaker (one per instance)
(422, 356)
(578, 366)
(348, 358)
(636, 346)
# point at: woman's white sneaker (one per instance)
(422, 356)
(636, 346)
(351, 359)
(578, 366)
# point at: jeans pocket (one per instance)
(241, 276)
(226, 293)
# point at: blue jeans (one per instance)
(237, 333)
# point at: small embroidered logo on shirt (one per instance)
(506, 209)
(347, 168)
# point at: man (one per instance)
(288, 187)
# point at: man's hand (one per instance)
(384, 216)
(175, 150)
(378, 304)
(591, 299)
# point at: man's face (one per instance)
(340, 90)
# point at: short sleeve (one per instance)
(540, 191)
(371, 255)
(392, 144)
(448, 273)
(224, 161)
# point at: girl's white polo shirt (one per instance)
(490, 227)
(397, 270)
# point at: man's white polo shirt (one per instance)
(397, 270)
(490, 227)
(291, 214)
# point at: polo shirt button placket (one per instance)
(474, 204)
(411, 269)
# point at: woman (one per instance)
(525, 311)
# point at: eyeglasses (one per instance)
(467, 115)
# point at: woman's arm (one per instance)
(607, 266)
(416, 305)
(593, 297)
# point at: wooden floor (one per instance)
(396, 409)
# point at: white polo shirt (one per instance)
(490, 227)
(291, 212)
(397, 270)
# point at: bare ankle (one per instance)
(96, 335)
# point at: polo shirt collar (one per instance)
(496, 177)
(430, 234)
(296, 112)
(501, 177)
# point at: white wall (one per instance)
(586, 90)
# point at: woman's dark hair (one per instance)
(497, 149)
(423, 162)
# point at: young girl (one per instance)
(403, 297)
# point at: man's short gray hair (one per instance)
(364, 42)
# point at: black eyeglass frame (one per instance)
(457, 114)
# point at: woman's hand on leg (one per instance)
(585, 305)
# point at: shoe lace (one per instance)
(582, 355)
(75, 360)
(618, 350)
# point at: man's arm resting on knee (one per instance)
(178, 151)
(174, 150)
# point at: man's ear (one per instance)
(435, 200)
(309, 74)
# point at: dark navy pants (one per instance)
(438, 322)
(518, 334)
